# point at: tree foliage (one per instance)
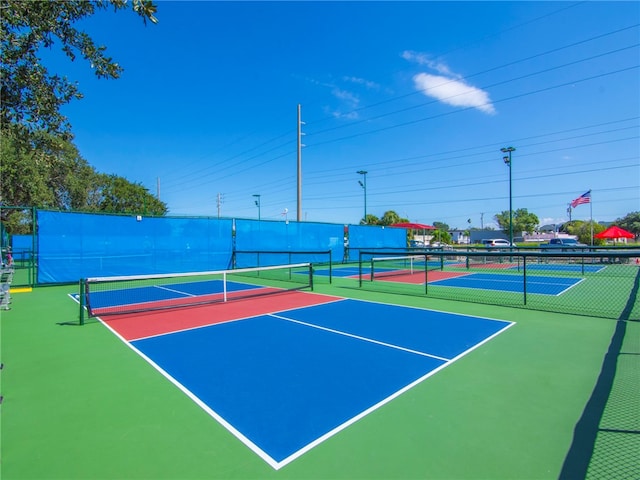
(440, 235)
(582, 230)
(630, 222)
(55, 176)
(31, 96)
(523, 221)
(370, 220)
(390, 217)
(40, 165)
(111, 193)
(441, 226)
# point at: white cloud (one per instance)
(425, 60)
(361, 81)
(453, 92)
(344, 95)
(348, 101)
(342, 115)
(447, 87)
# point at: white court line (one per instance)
(277, 465)
(214, 324)
(365, 339)
(230, 428)
(176, 291)
(384, 401)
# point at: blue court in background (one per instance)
(283, 382)
(556, 267)
(544, 285)
(354, 271)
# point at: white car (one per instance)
(496, 242)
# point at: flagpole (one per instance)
(591, 214)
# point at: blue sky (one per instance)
(421, 95)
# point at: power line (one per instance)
(228, 159)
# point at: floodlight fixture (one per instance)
(507, 161)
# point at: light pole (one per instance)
(507, 160)
(364, 186)
(257, 202)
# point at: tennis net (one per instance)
(140, 293)
(391, 266)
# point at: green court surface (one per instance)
(78, 403)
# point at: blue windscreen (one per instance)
(22, 246)
(71, 246)
(79, 245)
(374, 237)
(278, 243)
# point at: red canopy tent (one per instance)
(614, 232)
(415, 226)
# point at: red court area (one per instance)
(178, 302)
(141, 325)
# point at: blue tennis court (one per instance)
(283, 382)
(154, 293)
(543, 285)
(354, 271)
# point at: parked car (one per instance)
(441, 245)
(496, 243)
(565, 244)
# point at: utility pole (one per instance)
(257, 202)
(219, 203)
(364, 186)
(300, 145)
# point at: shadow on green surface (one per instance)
(583, 448)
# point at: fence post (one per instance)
(82, 301)
(426, 269)
(524, 277)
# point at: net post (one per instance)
(371, 269)
(330, 267)
(224, 286)
(426, 269)
(82, 301)
(524, 278)
(311, 276)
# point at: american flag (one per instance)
(584, 198)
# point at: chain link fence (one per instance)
(601, 283)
